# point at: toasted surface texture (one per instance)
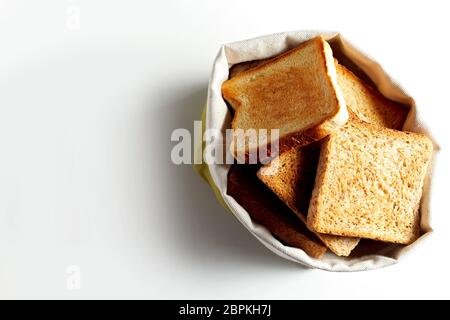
(296, 92)
(368, 104)
(361, 99)
(291, 177)
(265, 208)
(369, 183)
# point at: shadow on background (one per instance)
(203, 231)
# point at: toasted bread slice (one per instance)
(296, 92)
(369, 183)
(265, 208)
(361, 99)
(243, 66)
(291, 177)
(368, 104)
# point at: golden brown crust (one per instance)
(263, 63)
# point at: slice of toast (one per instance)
(369, 183)
(291, 177)
(368, 104)
(295, 92)
(361, 99)
(265, 208)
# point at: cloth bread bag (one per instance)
(217, 116)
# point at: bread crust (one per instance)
(317, 130)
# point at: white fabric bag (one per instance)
(218, 117)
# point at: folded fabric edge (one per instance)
(202, 168)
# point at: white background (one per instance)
(85, 174)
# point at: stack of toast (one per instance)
(345, 169)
